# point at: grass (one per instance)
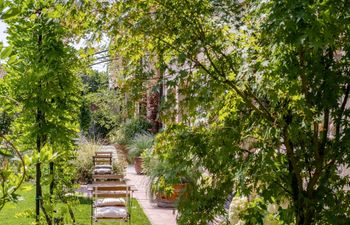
(20, 213)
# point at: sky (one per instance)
(3, 35)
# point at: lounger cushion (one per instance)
(111, 212)
(110, 202)
(103, 166)
(103, 171)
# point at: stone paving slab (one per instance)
(109, 148)
(156, 215)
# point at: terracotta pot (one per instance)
(138, 165)
(168, 201)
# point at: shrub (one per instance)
(149, 161)
(84, 162)
(118, 166)
(139, 144)
(100, 106)
(162, 176)
(255, 210)
(238, 206)
(125, 133)
(100, 113)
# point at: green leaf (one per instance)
(12, 59)
(5, 152)
(6, 52)
(12, 12)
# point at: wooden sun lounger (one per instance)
(102, 159)
(107, 177)
(103, 153)
(111, 213)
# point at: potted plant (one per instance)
(166, 194)
(138, 145)
(166, 186)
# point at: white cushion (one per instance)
(110, 202)
(103, 171)
(103, 166)
(111, 212)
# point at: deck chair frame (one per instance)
(103, 153)
(108, 179)
(102, 159)
(100, 191)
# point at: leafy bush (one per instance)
(100, 113)
(139, 144)
(255, 210)
(5, 122)
(149, 160)
(237, 206)
(100, 106)
(162, 175)
(84, 162)
(125, 133)
(118, 166)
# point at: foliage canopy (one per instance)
(266, 85)
(265, 88)
(42, 79)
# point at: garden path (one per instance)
(109, 148)
(156, 215)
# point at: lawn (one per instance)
(18, 213)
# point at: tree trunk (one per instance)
(37, 191)
(40, 141)
(52, 184)
(153, 101)
(154, 91)
(303, 204)
(39, 117)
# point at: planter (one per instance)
(138, 165)
(168, 201)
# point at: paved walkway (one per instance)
(156, 215)
(108, 148)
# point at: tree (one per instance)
(13, 164)
(100, 108)
(270, 83)
(44, 82)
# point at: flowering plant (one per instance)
(238, 205)
(255, 211)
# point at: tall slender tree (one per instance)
(44, 81)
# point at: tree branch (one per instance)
(284, 188)
(294, 169)
(304, 83)
(342, 108)
(322, 148)
(23, 175)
